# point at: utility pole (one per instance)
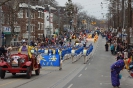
(59, 20)
(114, 15)
(108, 20)
(49, 17)
(122, 20)
(129, 20)
(29, 23)
(118, 14)
(122, 15)
(0, 26)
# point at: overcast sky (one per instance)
(93, 7)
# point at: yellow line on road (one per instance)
(9, 82)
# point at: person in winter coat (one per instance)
(106, 46)
(115, 71)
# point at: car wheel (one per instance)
(13, 74)
(37, 71)
(2, 73)
(29, 73)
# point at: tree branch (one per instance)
(2, 3)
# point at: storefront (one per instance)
(6, 39)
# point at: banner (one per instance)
(50, 60)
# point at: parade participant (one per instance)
(38, 47)
(73, 53)
(50, 51)
(106, 46)
(85, 53)
(46, 51)
(60, 53)
(115, 71)
(24, 47)
(95, 39)
(53, 50)
(84, 44)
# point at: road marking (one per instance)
(70, 86)
(105, 83)
(85, 68)
(9, 82)
(105, 76)
(101, 84)
(80, 75)
(109, 84)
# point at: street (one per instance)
(94, 74)
(64, 43)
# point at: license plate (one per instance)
(14, 65)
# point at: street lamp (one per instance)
(49, 18)
(29, 19)
(89, 23)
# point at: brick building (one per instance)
(20, 23)
(37, 21)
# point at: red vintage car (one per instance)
(19, 63)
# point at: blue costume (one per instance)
(115, 70)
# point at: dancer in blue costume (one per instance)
(115, 70)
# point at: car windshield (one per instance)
(16, 52)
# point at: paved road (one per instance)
(95, 74)
(50, 77)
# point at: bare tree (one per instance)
(2, 2)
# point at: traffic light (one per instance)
(83, 21)
(93, 23)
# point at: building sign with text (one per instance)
(6, 30)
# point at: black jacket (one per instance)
(2, 51)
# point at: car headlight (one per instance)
(1, 59)
(8, 60)
(22, 60)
